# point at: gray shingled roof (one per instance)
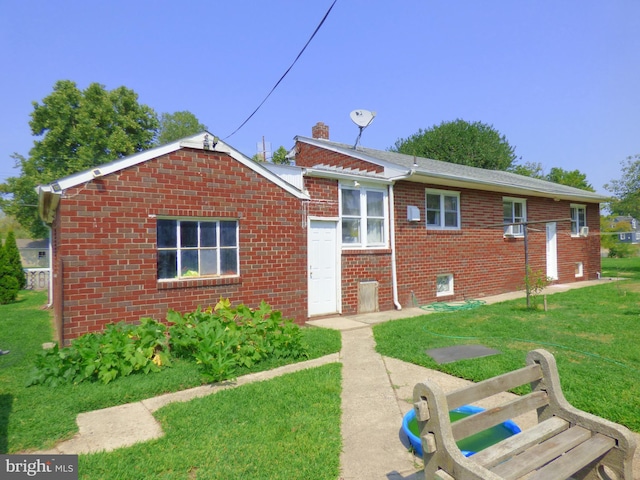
(426, 167)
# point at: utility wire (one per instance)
(285, 73)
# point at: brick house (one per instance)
(405, 228)
(174, 227)
(343, 231)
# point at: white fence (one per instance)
(37, 278)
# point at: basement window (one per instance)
(197, 248)
(444, 285)
(579, 269)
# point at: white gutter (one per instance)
(392, 234)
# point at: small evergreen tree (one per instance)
(9, 287)
(12, 255)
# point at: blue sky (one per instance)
(560, 79)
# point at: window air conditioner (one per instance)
(509, 232)
(584, 231)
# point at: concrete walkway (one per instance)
(376, 392)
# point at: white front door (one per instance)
(552, 251)
(323, 267)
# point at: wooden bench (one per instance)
(565, 443)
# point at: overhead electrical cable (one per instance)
(285, 73)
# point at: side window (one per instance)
(195, 248)
(442, 209)
(364, 216)
(578, 218)
(514, 211)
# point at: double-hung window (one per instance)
(442, 209)
(197, 248)
(363, 212)
(578, 218)
(514, 211)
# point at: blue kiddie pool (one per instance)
(469, 445)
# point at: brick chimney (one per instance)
(320, 130)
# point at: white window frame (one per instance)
(448, 277)
(517, 230)
(576, 223)
(218, 248)
(363, 217)
(442, 194)
(579, 269)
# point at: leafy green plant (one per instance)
(224, 338)
(9, 286)
(535, 281)
(119, 351)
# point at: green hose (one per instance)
(448, 307)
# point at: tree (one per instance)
(572, 178)
(475, 144)
(9, 287)
(12, 257)
(626, 190)
(174, 126)
(280, 156)
(79, 130)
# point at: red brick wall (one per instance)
(106, 241)
(310, 156)
(481, 260)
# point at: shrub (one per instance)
(621, 250)
(219, 339)
(9, 286)
(122, 349)
(13, 260)
(223, 338)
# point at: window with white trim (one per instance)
(579, 269)
(196, 248)
(442, 209)
(514, 211)
(444, 285)
(363, 212)
(578, 218)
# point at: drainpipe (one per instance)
(392, 228)
(50, 304)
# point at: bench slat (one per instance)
(540, 454)
(481, 421)
(578, 458)
(492, 386)
(509, 447)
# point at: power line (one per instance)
(285, 73)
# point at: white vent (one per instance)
(584, 231)
(413, 213)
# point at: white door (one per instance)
(552, 251)
(322, 267)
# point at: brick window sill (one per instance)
(197, 282)
(433, 231)
(367, 251)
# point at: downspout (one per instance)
(50, 304)
(392, 228)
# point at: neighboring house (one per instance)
(343, 231)
(628, 237)
(33, 253)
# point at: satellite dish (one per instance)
(362, 118)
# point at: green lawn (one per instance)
(37, 417)
(593, 332)
(287, 428)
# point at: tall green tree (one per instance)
(279, 157)
(78, 129)
(177, 125)
(12, 257)
(9, 287)
(626, 189)
(475, 144)
(571, 178)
